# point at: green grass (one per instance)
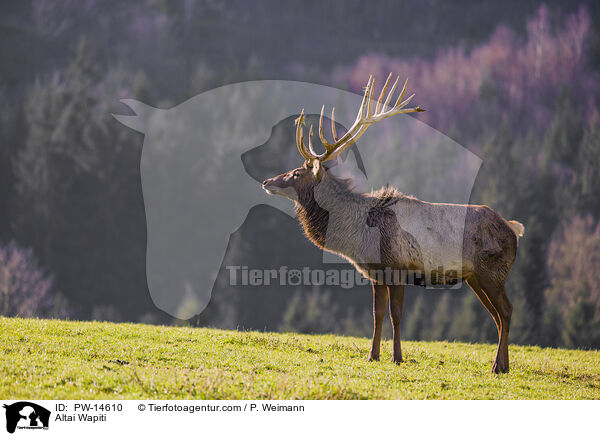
(44, 359)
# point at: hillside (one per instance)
(50, 359)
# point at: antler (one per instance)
(366, 116)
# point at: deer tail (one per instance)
(517, 227)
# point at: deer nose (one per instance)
(265, 182)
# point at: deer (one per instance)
(386, 229)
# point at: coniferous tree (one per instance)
(78, 189)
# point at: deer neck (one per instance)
(333, 216)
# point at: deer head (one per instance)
(298, 180)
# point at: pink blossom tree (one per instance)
(24, 287)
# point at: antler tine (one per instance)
(382, 94)
(300, 138)
(335, 136)
(361, 111)
(402, 93)
(405, 102)
(389, 97)
(327, 145)
(321, 136)
(310, 146)
(370, 98)
(398, 107)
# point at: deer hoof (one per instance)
(373, 358)
(499, 368)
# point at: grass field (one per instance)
(46, 359)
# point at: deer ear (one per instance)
(316, 167)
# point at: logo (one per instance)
(203, 162)
(26, 415)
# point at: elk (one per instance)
(404, 233)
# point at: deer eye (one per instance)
(296, 174)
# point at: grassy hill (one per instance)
(48, 359)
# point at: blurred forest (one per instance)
(515, 82)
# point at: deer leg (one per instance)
(474, 284)
(380, 296)
(396, 302)
(505, 314)
(497, 297)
